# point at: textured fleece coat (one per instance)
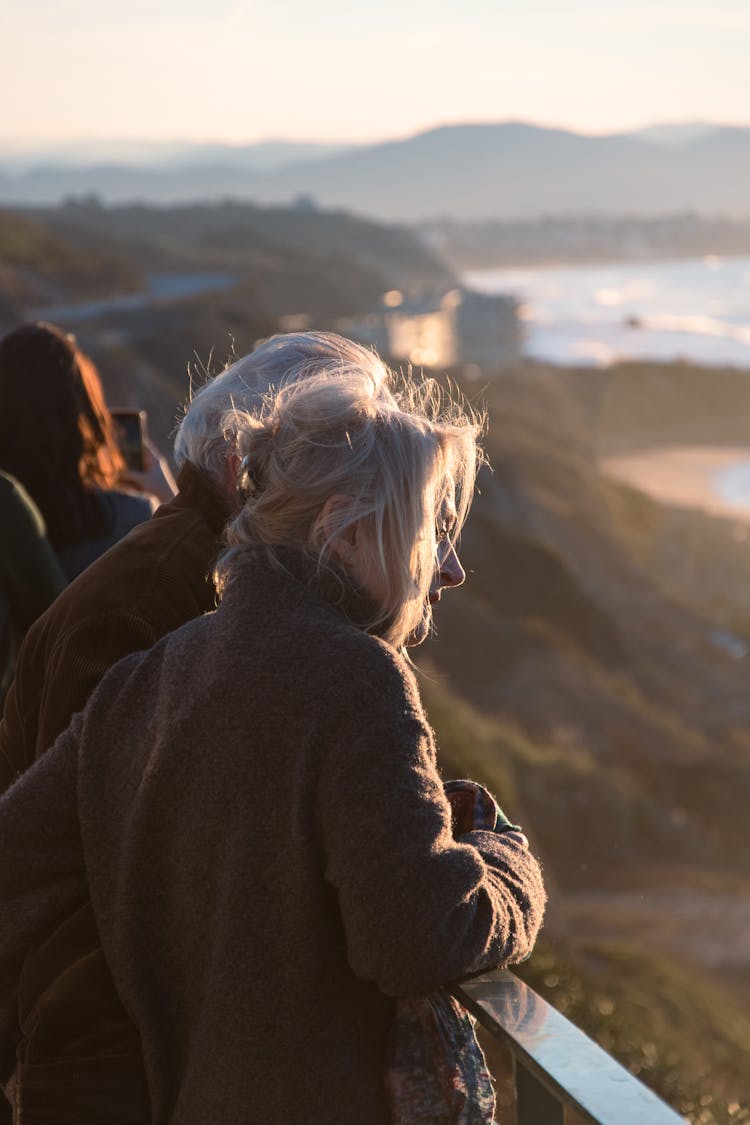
(255, 809)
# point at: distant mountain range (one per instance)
(263, 156)
(464, 172)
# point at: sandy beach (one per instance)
(710, 477)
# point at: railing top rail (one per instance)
(577, 1071)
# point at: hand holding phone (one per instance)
(147, 469)
(131, 432)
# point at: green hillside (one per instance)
(40, 266)
(685, 1037)
(323, 263)
(685, 1034)
(596, 706)
(561, 630)
(638, 405)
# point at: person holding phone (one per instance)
(57, 437)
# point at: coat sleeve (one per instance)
(79, 661)
(419, 908)
(42, 877)
(51, 686)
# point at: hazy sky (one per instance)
(241, 70)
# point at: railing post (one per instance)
(535, 1105)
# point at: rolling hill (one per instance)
(468, 172)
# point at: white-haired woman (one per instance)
(258, 816)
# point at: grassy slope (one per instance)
(637, 405)
(593, 704)
(561, 632)
(352, 260)
(701, 560)
(40, 266)
(686, 1037)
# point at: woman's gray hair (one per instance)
(340, 449)
(201, 436)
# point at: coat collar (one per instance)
(291, 569)
(196, 490)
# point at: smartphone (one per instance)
(130, 426)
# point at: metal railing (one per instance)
(559, 1075)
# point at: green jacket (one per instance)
(30, 577)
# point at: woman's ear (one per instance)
(231, 470)
(344, 541)
(349, 546)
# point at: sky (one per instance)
(239, 71)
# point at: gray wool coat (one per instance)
(255, 809)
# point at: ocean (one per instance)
(695, 309)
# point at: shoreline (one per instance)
(688, 476)
(655, 310)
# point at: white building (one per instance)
(461, 327)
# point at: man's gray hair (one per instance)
(202, 437)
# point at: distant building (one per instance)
(488, 329)
(421, 331)
(459, 327)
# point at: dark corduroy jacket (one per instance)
(78, 1041)
(149, 583)
(255, 810)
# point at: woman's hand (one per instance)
(473, 806)
(156, 477)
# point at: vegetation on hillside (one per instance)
(39, 266)
(639, 405)
(566, 239)
(694, 557)
(560, 627)
(320, 263)
(682, 1035)
(598, 708)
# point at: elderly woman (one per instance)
(254, 805)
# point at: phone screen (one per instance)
(130, 425)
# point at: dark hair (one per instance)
(56, 433)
